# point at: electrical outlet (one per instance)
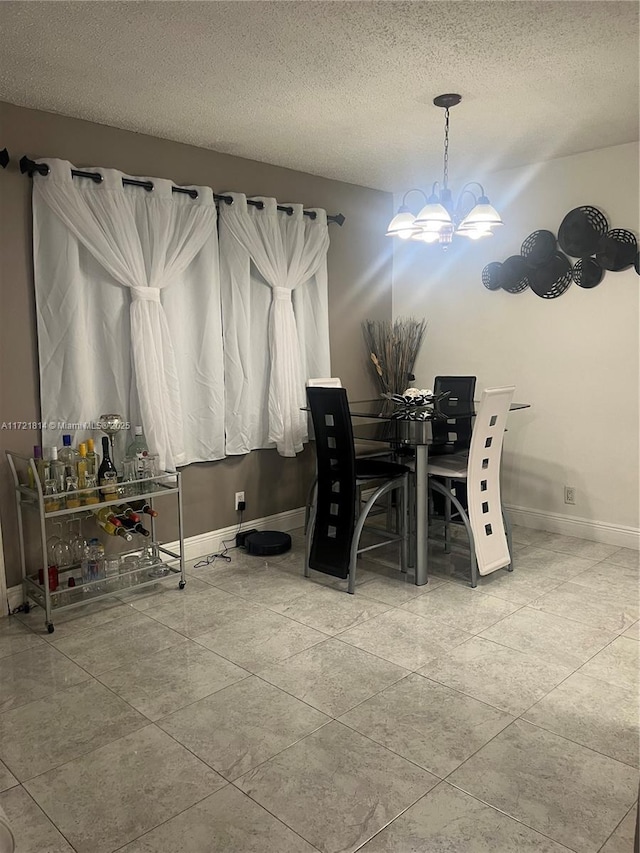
(569, 495)
(239, 498)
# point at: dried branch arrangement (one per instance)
(393, 348)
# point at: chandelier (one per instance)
(439, 220)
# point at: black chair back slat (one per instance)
(451, 430)
(336, 496)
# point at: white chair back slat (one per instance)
(483, 480)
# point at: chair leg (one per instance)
(447, 519)
(353, 559)
(307, 540)
(509, 532)
(451, 498)
(357, 533)
(310, 501)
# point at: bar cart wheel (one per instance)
(50, 627)
(182, 584)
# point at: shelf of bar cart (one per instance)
(170, 564)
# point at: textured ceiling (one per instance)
(340, 89)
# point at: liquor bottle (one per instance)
(93, 460)
(143, 506)
(135, 526)
(57, 469)
(112, 530)
(124, 511)
(41, 468)
(82, 466)
(138, 448)
(107, 515)
(37, 458)
(107, 474)
(68, 456)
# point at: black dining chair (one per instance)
(452, 434)
(337, 516)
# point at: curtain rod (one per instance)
(28, 167)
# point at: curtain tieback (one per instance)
(282, 294)
(145, 294)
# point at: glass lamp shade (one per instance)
(474, 232)
(483, 215)
(433, 213)
(402, 225)
(426, 236)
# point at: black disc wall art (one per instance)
(491, 275)
(636, 263)
(587, 272)
(513, 274)
(552, 279)
(580, 231)
(617, 250)
(538, 248)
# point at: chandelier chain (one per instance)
(446, 149)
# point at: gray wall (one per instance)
(359, 287)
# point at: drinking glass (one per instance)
(112, 571)
(128, 565)
(62, 554)
(150, 560)
(76, 541)
(129, 476)
(52, 541)
(91, 495)
(149, 466)
(109, 486)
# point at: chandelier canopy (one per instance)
(471, 216)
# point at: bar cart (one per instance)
(37, 584)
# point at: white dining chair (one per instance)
(485, 520)
(331, 382)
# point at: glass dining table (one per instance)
(381, 420)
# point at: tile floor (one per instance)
(259, 712)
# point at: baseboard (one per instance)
(582, 528)
(211, 542)
(204, 543)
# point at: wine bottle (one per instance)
(41, 468)
(125, 511)
(93, 460)
(143, 506)
(107, 515)
(39, 463)
(107, 474)
(112, 530)
(135, 526)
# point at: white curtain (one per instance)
(128, 307)
(275, 315)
